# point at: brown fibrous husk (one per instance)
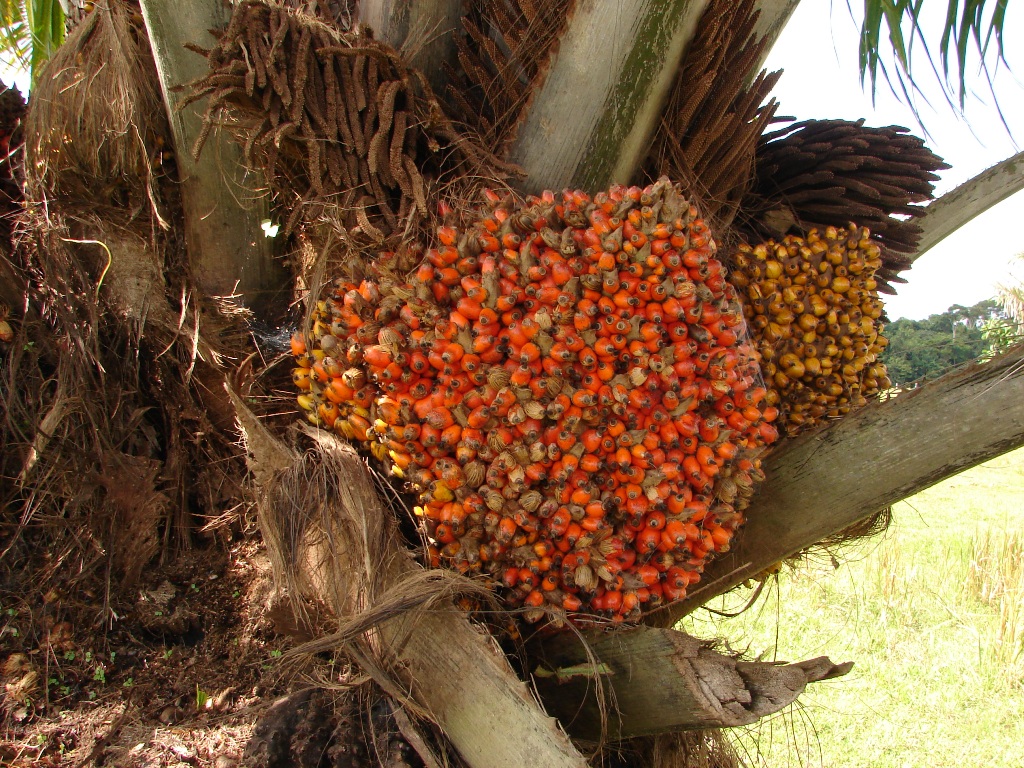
(331, 539)
(331, 543)
(104, 380)
(96, 117)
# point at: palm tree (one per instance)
(566, 124)
(1011, 298)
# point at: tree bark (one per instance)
(661, 681)
(223, 210)
(825, 481)
(968, 201)
(590, 126)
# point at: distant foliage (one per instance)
(920, 349)
(1000, 333)
(1007, 328)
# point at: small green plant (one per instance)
(128, 683)
(201, 697)
(100, 674)
(69, 655)
(167, 653)
(275, 654)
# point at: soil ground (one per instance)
(174, 670)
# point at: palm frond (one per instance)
(1011, 297)
(15, 40)
(970, 28)
(30, 31)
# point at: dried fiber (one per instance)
(96, 118)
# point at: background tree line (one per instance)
(920, 349)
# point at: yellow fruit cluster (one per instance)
(812, 305)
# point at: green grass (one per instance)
(933, 615)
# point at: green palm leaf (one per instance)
(30, 31)
(969, 24)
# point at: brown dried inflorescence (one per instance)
(822, 173)
(716, 111)
(503, 57)
(336, 118)
(566, 384)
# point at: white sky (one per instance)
(818, 51)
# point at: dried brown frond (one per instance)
(504, 56)
(820, 173)
(96, 120)
(716, 112)
(353, 140)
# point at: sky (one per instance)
(818, 53)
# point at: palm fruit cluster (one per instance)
(567, 385)
(813, 308)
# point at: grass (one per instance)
(933, 615)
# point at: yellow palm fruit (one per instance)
(813, 312)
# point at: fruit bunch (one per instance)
(812, 305)
(566, 384)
